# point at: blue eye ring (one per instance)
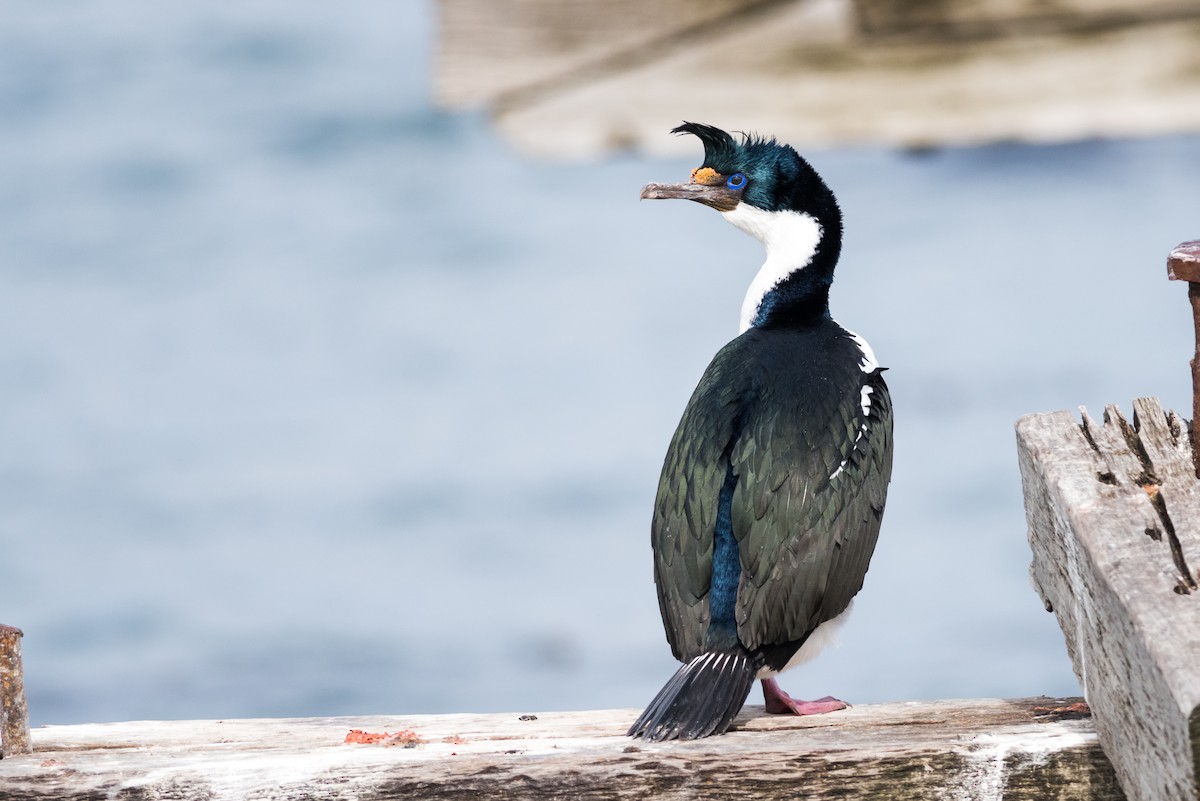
(736, 181)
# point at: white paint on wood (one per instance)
(987, 754)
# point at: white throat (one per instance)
(791, 239)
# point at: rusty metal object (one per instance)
(1184, 265)
(14, 713)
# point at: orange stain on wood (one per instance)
(406, 738)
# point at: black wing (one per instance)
(685, 511)
(812, 473)
(806, 512)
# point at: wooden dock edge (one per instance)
(982, 750)
(1114, 525)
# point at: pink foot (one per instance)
(780, 703)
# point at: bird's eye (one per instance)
(736, 181)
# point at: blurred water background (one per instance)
(319, 400)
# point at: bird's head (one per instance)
(753, 172)
(767, 190)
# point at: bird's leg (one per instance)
(780, 703)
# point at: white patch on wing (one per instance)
(865, 401)
(791, 239)
(868, 363)
(862, 432)
(824, 636)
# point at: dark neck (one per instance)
(802, 298)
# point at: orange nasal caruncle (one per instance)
(707, 176)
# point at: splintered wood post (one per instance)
(1184, 265)
(14, 714)
(1114, 524)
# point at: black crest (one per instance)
(778, 177)
(720, 149)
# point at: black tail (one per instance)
(702, 698)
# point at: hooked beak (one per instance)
(707, 186)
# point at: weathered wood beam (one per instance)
(979, 750)
(1114, 524)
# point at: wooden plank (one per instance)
(598, 76)
(1114, 524)
(487, 49)
(990, 18)
(978, 750)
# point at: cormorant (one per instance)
(773, 486)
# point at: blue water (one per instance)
(319, 400)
